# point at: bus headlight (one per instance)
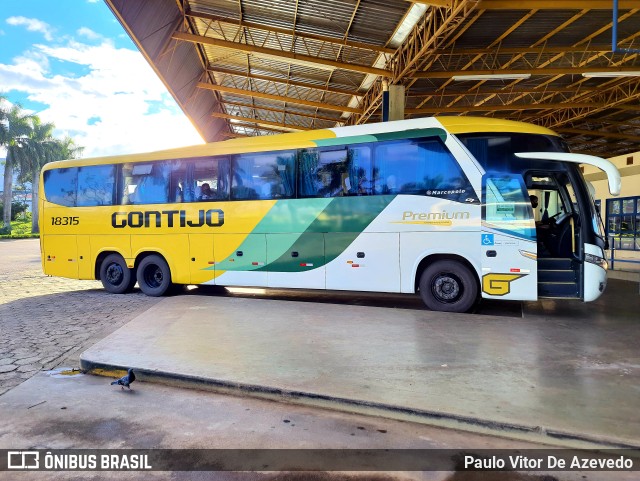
(597, 260)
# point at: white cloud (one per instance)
(33, 25)
(109, 100)
(87, 32)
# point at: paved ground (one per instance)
(565, 371)
(47, 320)
(52, 411)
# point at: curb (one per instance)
(535, 434)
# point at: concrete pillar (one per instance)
(392, 102)
(396, 102)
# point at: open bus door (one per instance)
(508, 239)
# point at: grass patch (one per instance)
(21, 229)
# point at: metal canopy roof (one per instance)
(255, 67)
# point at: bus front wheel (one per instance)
(449, 286)
(154, 276)
(116, 277)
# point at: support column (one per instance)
(392, 101)
(396, 102)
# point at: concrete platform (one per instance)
(558, 372)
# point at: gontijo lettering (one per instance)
(168, 218)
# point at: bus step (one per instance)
(555, 263)
(556, 275)
(558, 289)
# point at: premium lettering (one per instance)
(427, 216)
(167, 218)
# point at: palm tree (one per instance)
(40, 149)
(15, 126)
(29, 158)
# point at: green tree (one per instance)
(29, 158)
(39, 149)
(15, 127)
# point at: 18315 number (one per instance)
(65, 220)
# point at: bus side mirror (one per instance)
(606, 243)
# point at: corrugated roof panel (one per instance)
(578, 31)
(484, 31)
(225, 8)
(181, 63)
(377, 20)
(533, 30)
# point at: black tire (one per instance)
(448, 286)
(115, 276)
(154, 276)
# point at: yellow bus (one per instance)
(435, 206)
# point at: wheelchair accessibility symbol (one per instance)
(487, 239)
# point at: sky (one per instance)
(73, 64)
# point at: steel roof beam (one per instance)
(511, 107)
(521, 21)
(518, 71)
(432, 32)
(615, 98)
(259, 127)
(598, 133)
(605, 122)
(285, 31)
(585, 41)
(280, 111)
(556, 4)
(279, 98)
(235, 135)
(498, 91)
(221, 115)
(433, 3)
(285, 55)
(285, 81)
(542, 41)
(498, 50)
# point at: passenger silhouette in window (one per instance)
(206, 193)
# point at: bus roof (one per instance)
(468, 125)
(313, 138)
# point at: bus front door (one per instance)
(507, 239)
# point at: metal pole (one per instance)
(614, 28)
(614, 33)
(385, 101)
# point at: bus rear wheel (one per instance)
(154, 276)
(116, 277)
(448, 286)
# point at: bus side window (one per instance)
(360, 178)
(201, 179)
(335, 171)
(60, 186)
(307, 179)
(419, 167)
(263, 176)
(146, 183)
(95, 185)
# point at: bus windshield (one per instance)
(495, 151)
